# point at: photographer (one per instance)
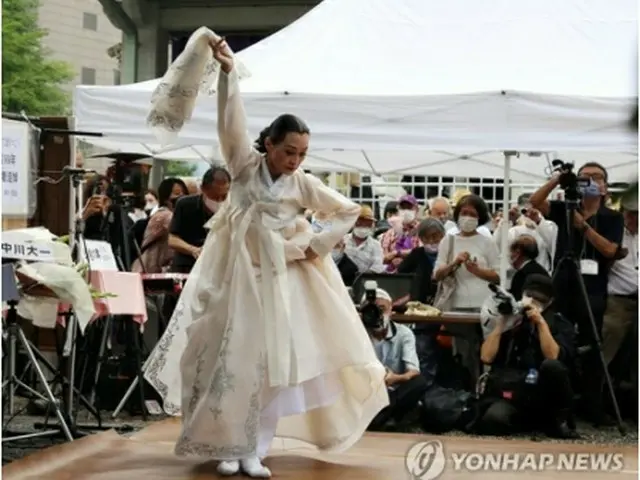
(597, 237)
(529, 384)
(395, 347)
(96, 208)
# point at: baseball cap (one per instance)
(410, 199)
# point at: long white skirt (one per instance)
(229, 410)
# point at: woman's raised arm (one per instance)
(235, 144)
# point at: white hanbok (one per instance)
(273, 342)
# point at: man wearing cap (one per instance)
(597, 241)
(622, 304)
(395, 347)
(360, 246)
(529, 386)
(398, 241)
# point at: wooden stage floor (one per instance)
(148, 455)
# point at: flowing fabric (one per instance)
(194, 72)
(263, 341)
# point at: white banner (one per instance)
(100, 256)
(16, 168)
(33, 251)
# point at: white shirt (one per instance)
(623, 277)
(367, 255)
(470, 291)
(452, 229)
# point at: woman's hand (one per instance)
(396, 261)
(461, 258)
(472, 267)
(310, 254)
(388, 258)
(94, 206)
(222, 54)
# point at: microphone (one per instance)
(71, 171)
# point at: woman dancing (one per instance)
(275, 345)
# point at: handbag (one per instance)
(447, 285)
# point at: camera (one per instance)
(371, 313)
(505, 303)
(569, 181)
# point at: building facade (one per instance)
(79, 33)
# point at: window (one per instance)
(88, 76)
(116, 77)
(90, 21)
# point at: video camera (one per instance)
(569, 181)
(371, 313)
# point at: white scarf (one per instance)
(195, 71)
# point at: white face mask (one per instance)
(362, 232)
(150, 206)
(431, 247)
(212, 205)
(467, 224)
(407, 216)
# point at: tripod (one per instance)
(69, 350)
(569, 263)
(16, 336)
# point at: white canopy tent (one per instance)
(423, 75)
(402, 76)
(527, 168)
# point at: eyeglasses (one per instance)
(598, 177)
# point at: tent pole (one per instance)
(504, 233)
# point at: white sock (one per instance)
(228, 467)
(254, 468)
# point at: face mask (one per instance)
(362, 232)
(467, 224)
(150, 206)
(212, 205)
(431, 247)
(407, 216)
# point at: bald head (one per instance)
(440, 208)
(523, 249)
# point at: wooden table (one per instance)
(464, 318)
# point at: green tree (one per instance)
(31, 81)
(174, 168)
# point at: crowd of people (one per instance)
(461, 239)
